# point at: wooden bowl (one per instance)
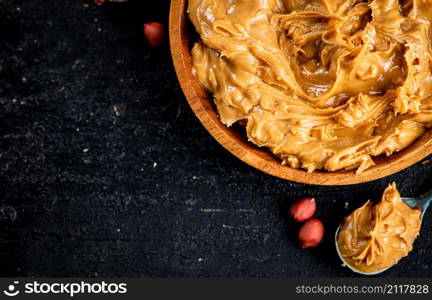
(234, 140)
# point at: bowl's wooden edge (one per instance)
(252, 155)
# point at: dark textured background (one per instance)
(105, 170)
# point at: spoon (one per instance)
(422, 203)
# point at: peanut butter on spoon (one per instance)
(374, 238)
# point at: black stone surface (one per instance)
(105, 171)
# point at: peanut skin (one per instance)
(303, 209)
(311, 233)
(155, 33)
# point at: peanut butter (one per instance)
(323, 84)
(374, 238)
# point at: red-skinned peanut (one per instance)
(303, 209)
(311, 233)
(155, 33)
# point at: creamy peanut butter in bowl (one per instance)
(339, 87)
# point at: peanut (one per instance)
(311, 233)
(303, 209)
(155, 33)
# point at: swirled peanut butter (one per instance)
(323, 84)
(374, 238)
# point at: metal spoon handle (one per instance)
(426, 200)
(422, 202)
